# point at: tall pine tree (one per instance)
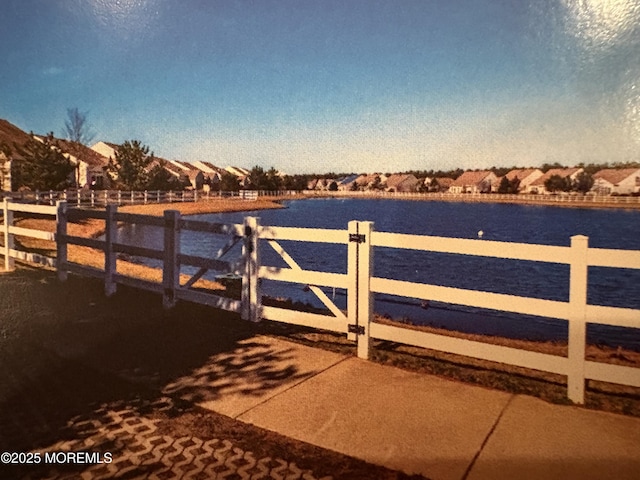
(130, 168)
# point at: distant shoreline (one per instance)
(571, 201)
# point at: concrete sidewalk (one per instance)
(418, 423)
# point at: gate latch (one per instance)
(357, 237)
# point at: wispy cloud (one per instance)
(53, 71)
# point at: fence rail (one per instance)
(359, 281)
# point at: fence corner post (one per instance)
(61, 241)
(251, 298)
(110, 229)
(8, 237)
(578, 285)
(171, 263)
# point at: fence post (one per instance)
(110, 229)
(93, 198)
(171, 264)
(251, 299)
(578, 284)
(119, 197)
(359, 297)
(61, 241)
(146, 197)
(8, 238)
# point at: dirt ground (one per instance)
(72, 360)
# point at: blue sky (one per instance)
(348, 86)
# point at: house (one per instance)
(238, 171)
(402, 183)
(537, 186)
(10, 138)
(435, 184)
(622, 181)
(195, 175)
(526, 177)
(213, 172)
(91, 166)
(313, 183)
(105, 149)
(5, 172)
(482, 181)
(210, 169)
(347, 183)
(242, 173)
(369, 181)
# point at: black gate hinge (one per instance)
(357, 329)
(357, 237)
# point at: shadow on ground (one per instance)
(81, 370)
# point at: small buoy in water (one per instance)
(480, 234)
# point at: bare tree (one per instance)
(76, 127)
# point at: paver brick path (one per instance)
(139, 450)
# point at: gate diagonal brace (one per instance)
(317, 290)
(221, 253)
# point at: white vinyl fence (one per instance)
(359, 281)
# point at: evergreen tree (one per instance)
(229, 182)
(274, 181)
(583, 182)
(161, 179)
(43, 167)
(505, 186)
(130, 168)
(258, 178)
(556, 183)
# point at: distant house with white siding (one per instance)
(196, 176)
(402, 183)
(210, 169)
(443, 183)
(474, 182)
(5, 172)
(619, 181)
(537, 186)
(105, 149)
(91, 166)
(347, 183)
(525, 176)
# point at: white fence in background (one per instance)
(360, 283)
(560, 199)
(101, 198)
